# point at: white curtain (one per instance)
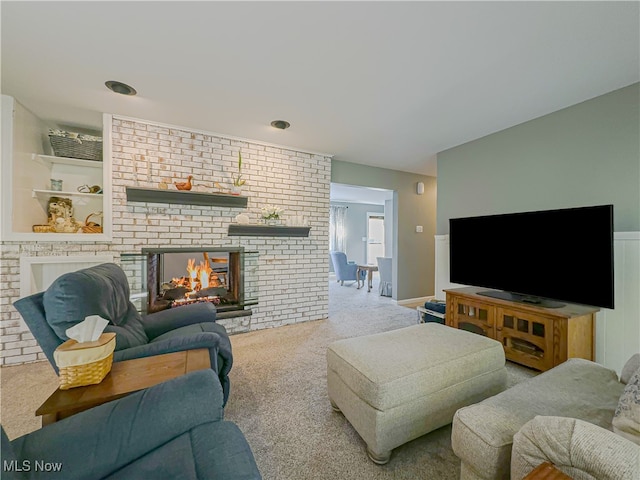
(337, 231)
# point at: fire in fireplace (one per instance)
(180, 276)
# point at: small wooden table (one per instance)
(546, 471)
(124, 378)
(369, 269)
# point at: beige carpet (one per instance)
(279, 400)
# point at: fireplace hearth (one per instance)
(181, 276)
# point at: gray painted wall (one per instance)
(413, 252)
(388, 228)
(587, 154)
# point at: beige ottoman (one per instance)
(396, 386)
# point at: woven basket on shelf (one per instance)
(87, 363)
(73, 145)
(43, 229)
(92, 227)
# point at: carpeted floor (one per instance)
(279, 400)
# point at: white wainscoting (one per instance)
(618, 330)
(37, 273)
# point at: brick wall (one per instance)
(291, 272)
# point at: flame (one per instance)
(191, 268)
(193, 272)
(200, 273)
(204, 279)
(205, 273)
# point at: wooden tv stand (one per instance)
(531, 335)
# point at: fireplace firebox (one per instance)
(181, 276)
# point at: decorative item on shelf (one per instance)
(184, 185)
(92, 227)
(43, 229)
(75, 145)
(238, 181)
(297, 221)
(271, 214)
(88, 189)
(163, 185)
(242, 219)
(60, 211)
(56, 185)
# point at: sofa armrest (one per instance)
(99, 441)
(580, 449)
(156, 324)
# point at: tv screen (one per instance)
(564, 255)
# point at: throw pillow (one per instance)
(626, 420)
(629, 368)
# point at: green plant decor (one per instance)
(238, 181)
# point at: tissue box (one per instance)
(85, 363)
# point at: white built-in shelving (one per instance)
(50, 161)
(27, 171)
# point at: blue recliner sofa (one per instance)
(104, 290)
(174, 430)
(345, 270)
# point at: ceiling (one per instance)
(388, 84)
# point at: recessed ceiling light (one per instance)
(281, 124)
(120, 87)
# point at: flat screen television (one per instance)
(564, 255)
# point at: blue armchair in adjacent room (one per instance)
(104, 290)
(345, 271)
(173, 430)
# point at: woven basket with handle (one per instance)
(92, 227)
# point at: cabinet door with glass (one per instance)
(473, 316)
(527, 338)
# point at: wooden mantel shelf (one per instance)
(155, 195)
(267, 231)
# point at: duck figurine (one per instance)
(184, 185)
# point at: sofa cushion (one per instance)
(482, 434)
(8, 456)
(626, 420)
(99, 290)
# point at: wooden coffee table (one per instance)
(125, 377)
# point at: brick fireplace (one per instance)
(180, 276)
(287, 275)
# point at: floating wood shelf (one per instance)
(155, 195)
(267, 231)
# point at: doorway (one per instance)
(375, 237)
